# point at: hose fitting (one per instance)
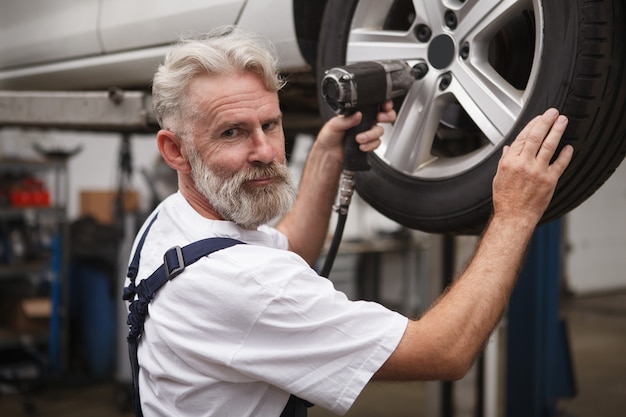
(346, 190)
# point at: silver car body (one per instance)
(93, 44)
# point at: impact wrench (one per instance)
(363, 87)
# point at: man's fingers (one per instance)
(531, 137)
(387, 113)
(550, 143)
(563, 160)
(518, 144)
(370, 140)
(537, 134)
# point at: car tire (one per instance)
(533, 55)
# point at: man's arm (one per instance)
(306, 225)
(446, 340)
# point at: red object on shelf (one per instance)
(20, 198)
(29, 192)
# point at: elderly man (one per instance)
(249, 328)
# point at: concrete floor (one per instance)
(597, 330)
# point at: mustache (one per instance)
(272, 170)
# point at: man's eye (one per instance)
(269, 126)
(230, 133)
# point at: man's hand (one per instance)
(332, 133)
(525, 180)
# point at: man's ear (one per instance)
(171, 148)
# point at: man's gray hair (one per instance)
(226, 50)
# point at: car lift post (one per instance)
(538, 369)
(447, 269)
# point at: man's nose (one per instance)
(263, 149)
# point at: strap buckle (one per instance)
(174, 262)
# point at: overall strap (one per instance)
(174, 262)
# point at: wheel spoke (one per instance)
(371, 13)
(483, 17)
(366, 44)
(412, 136)
(491, 101)
(429, 11)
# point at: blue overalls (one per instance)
(174, 262)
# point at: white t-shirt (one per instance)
(241, 329)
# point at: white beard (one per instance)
(231, 198)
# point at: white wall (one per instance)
(596, 239)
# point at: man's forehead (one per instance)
(229, 94)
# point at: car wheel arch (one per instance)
(307, 16)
